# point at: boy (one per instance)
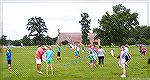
(58, 53)
(49, 59)
(76, 53)
(8, 55)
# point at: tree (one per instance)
(85, 28)
(37, 28)
(26, 41)
(118, 25)
(3, 40)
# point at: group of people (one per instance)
(49, 58)
(95, 53)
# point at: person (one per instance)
(143, 50)
(78, 50)
(82, 49)
(8, 55)
(122, 62)
(100, 55)
(91, 59)
(127, 55)
(89, 47)
(94, 51)
(58, 53)
(38, 58)
(76, 53)
(49, 59)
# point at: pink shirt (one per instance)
(39, 53)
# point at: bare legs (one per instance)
(39, 68)
(47, 67)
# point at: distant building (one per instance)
(74, 38)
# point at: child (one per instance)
(82, 49)
(8, 55)
(58, 53)
(127, 55)
(76, 53)
(122, 62)
(94, 52)
(143, 51)
(49, 59)
(91, 59)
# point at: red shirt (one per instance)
(39, 53)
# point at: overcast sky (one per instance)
(64, 16)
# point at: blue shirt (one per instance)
(76, 52)
(58, 49)
(49, 54)
(8, 55)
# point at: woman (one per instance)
(100, 55)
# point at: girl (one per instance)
(122, 62)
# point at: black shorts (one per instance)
(8, 61)
(101, 57)
(58, 54)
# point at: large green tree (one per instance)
(141, 34)
(37, 28)
(85, 23)
(116, 26)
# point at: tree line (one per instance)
(28, 42)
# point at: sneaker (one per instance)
(40, 72)
(123, 76)
(9, 68)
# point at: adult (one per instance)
(38, 58)
(100, 55)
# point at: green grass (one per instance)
(24, 66)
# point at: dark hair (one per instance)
(9, 50)
(100, 46)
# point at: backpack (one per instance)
(127, 57)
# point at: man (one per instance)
(38, 58)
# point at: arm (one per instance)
(121, 54)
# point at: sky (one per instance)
(63, 16)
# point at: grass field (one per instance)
(24, 66)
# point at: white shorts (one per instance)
(38, 61)
(122, 63)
